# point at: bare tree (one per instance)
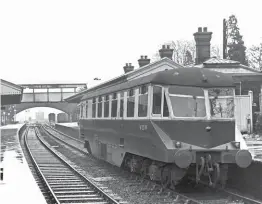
(254, 55)
(79, 89)
(215, 51)
(181, 50)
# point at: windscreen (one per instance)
(187, 101)
(221, 102)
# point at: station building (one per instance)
(11, 94)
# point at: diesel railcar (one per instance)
(62, 118)
(166, 125)
(51, 117)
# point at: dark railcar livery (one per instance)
(166, 125)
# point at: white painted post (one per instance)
(250, 93)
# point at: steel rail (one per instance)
(64, 134)
(179, 196)
(107, 197)
(68, 144)
(235, 195)
(38, 168)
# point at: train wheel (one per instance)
(144, 169)
(165, 177)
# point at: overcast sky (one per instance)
(76, 41)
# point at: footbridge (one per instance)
(49, 95)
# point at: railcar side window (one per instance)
(114, 106)
(86, 109)
(94, 108)
(157, 99)
(143, 101)
(81, 112)
(187, 101)
(106, 107)
(122, 104)
(99, 108)
(221, 102)
(78, 112)
(130, 103)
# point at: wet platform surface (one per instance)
(18, 185)
(255, 148)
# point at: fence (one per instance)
(243, 112)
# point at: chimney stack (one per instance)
(128, 68)
(202, 39)
(165, 51)
(143, 61)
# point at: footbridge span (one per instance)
(49, 95)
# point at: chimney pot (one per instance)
(128, 67)
(166, 52)
(205, 29)
(199, 29)
(143, 61)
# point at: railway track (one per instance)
(212, 196)
(64, 183)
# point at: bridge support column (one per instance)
(34, 95)
(47, 94)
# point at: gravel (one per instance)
(115, 179)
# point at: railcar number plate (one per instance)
(143, 127)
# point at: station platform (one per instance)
(71, 129)
(72, 125)
(18, 184)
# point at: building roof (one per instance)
(223, 64)
(122, 78)
(8, 88)
(214, 60)
(10, 93)
(192, 77)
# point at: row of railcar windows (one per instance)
(112, 105)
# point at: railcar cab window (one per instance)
(221, 102)
(106, 107)
(99, 108)
(130, 103)
(114, 106)
(94, 108)
(143, 101)
(159, 98)
(187, 101)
